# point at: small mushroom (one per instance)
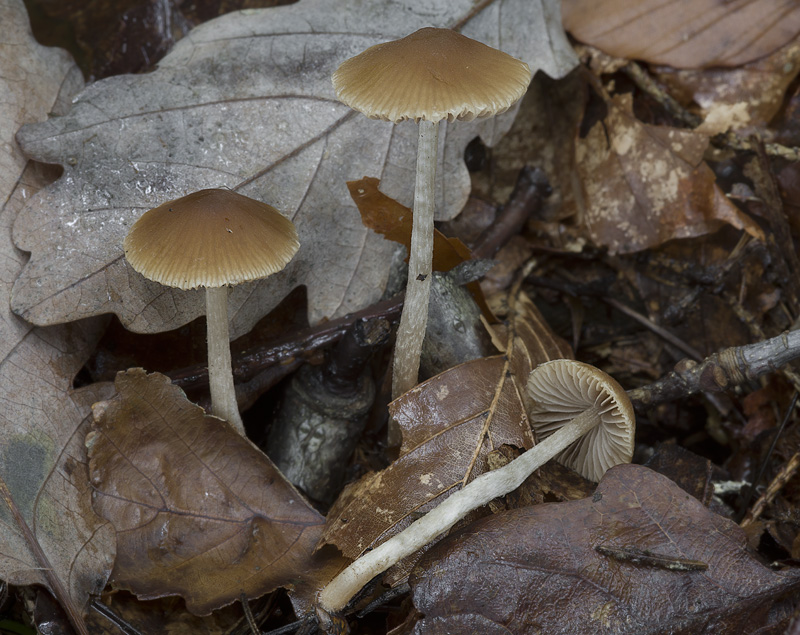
(430, 75)
(594, 401)
(212, 238)
(565, 392)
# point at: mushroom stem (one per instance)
(220, 371)
(414, 318)
(477, 493)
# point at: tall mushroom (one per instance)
(570, 400)
(214, 239)
(430, 75)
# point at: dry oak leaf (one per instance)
(450, 423)
(199, 511)
(684, 33)
(245, 101)
(42, 421)
(644, 185)
(537, 569)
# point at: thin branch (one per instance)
(721, 371)
(785, 474)
(658, 330)
(302, 344)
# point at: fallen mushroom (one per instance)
(212, 238)
(564, 391)
(583, 400)
(430, 75)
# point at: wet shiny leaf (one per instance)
(538, 568)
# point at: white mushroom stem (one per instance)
(477, 493)
(220, 371)
(414, 319)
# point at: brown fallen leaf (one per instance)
(450, 423)
(199, 511)
(245, 101)
(684, 33)
(741, 99)
(644, 185)
(42, 420)
(667, 565)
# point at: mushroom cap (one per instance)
(561, 390)
(432, 74)
(210, 238)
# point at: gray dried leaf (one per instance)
(42, 421)
(245, 101)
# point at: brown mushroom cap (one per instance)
(210, 238)
(561, 390)
(432, 74)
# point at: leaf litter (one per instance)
(706, 268)
(449, 424)
(550, 568)
(246, 102)
(695, 34)
(198, 510)
(644, 185)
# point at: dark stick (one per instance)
(112, 617)
(301, 344)
(529, 193)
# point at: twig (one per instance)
(658, 330)
(720, 371)
(764, 462)
(783, 476)
(529, 193)
(62, 595)
(248, 614)
(302, 344)
(112, 617)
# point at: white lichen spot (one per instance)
(442, 392)
(623, 141)
(425, 479)
(724, 117)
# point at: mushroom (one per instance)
(430, 75)
(212, 238)
(596, 404)
(564, 392)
